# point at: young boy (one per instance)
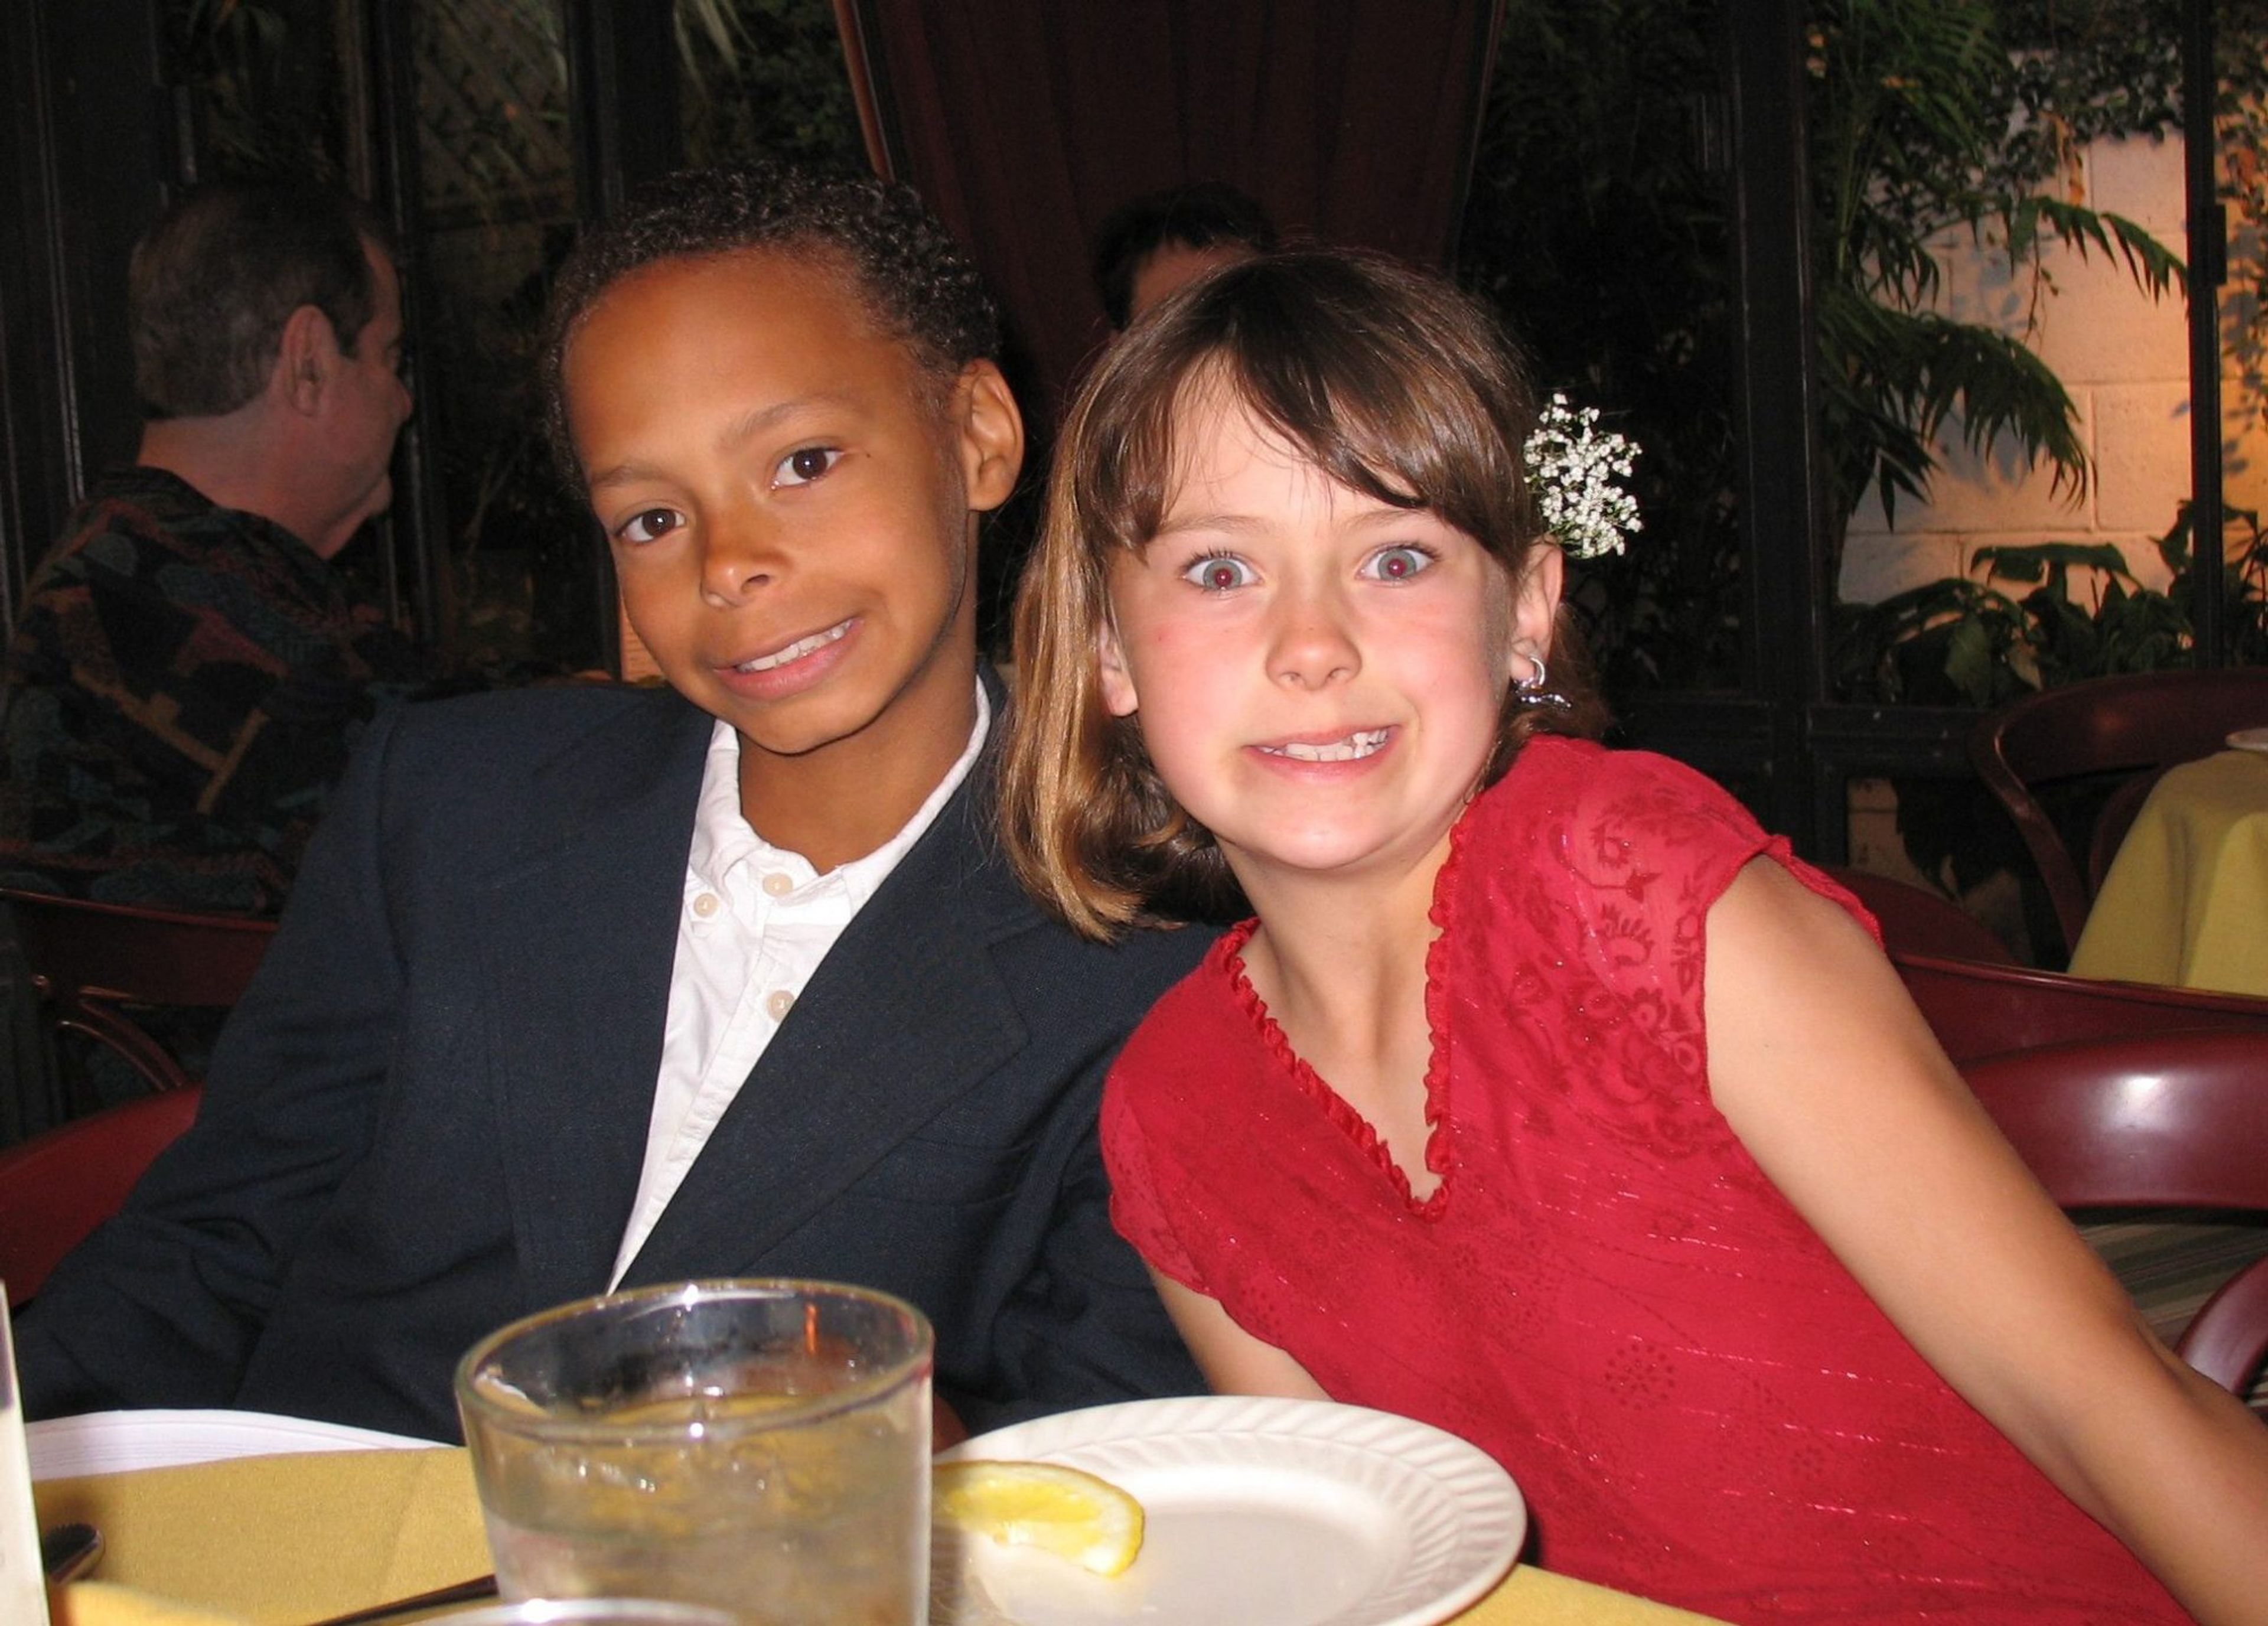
(583, 988)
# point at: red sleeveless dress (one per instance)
(1605, 1292)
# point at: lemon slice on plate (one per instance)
(1059, 1510)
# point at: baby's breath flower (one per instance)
(1571, 470)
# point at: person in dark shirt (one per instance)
(1151, 246)
(189, 669)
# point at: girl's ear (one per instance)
(1118, 696)
(1535, 597)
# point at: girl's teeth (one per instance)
(1352, 748)
(796, 650)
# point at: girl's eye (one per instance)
(1398, 563)
(805, 465)
(648, 525)
(1218, 573)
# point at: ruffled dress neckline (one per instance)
(1440, 1149)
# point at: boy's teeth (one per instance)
(1353, 748)
(796, 650)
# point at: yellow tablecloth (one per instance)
(279, 1540)
(2186, 899)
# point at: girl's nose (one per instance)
(1311, 647)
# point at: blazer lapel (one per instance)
(905, 1014)
(581, 936)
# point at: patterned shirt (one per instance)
(182, 689)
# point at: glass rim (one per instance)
(574, 1611)
(885, 1379)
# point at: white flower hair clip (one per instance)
(1572, 471)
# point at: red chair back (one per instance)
(87, 959)
(1923, 923)
(1978, 1011)
(57, 1187)
(2130, 724)
(2167, 1120)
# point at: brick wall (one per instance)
(2122, 357)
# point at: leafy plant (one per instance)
(765, 76)
(2017, 624)
(1598, 222)
(263, 82)
(2028, 618)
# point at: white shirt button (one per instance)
(706, 904)
(778, 1004)
(779, 883)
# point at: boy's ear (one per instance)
(992, 433)
(1118, 696)
(306, 355)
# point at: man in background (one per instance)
(189, 669)
(1151, 246)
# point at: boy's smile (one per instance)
(1318, 674)
(788, 494)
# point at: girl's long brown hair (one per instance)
(1396, 386)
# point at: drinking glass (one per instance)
(589, 1612)
(759, 1446)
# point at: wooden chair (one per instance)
(1978, 1011)
(2159, 1121)
(87, 959)
(57, 1187)
(1920, 922)
(2125, 724)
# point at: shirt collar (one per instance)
(723, 839)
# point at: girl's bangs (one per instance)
(1415, 408)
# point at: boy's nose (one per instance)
(735, 561)
(1311, 646)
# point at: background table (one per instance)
(284, 1540)
(2186, 899)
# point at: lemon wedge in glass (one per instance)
(1059, 1510)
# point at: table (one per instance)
(2186, 899)
(284, 1540)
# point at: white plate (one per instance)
(2249, 739)
(111, 1442)
(1259, 1512)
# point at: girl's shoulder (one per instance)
(1557, 786)
(1195, 1019)
(1599, 836)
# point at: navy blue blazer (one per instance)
(428, 1115)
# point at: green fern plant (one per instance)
(2031, 617)
(1597, 223)
(1910, 112)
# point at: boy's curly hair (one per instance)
(917, 281)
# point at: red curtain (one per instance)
(1025, 123)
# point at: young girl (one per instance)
(1548, 1099)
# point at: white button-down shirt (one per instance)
(757, 921)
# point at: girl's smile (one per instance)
(1318, 674)
(1359, 746)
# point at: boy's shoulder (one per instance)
(510, 770)
(524, 729)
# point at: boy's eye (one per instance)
(1397, 563)
(1218, 573)
(805, 465)
(647, 525)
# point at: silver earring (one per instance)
(1531, 690)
